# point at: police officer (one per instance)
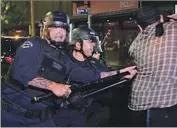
(84, 42)
(82, 45)
(39, 68)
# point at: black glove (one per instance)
(77, 101)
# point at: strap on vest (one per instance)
(43, 115)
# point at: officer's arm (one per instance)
(84, 75)
(41, 82)
(106, 74)
(26, 64)
(57, 88)
(132, 71)
(26, 67)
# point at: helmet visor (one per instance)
(97, 42)
(57, 24)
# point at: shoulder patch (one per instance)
(27, 44)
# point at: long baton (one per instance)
(47, 96)
(102, 89)
(42, 97)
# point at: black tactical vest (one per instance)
(52, 64)
(51, 68)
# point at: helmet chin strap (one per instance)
(81, 50)
(59, 45)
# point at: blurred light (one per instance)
(107, 20)
(9, 59)
(6, 21)
(16, 37)
(18, 31)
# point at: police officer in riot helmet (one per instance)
(84, 41)
(56, 20)
(39, 68)
(80, 35)
(94, 58)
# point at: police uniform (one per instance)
(82, 72)
(99, 64)
(36, 58)
(97, 114)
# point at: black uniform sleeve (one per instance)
(26, 64)
(84, 75)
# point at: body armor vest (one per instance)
(52, 64)
(51, 68)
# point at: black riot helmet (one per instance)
(57, 19)
(84, 33)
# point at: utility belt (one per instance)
(15, 109)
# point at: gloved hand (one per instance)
(77, 101)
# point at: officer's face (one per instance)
(57, 34)
(88, 47)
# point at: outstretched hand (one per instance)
(131, 70)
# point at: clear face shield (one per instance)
(42, 29)
(97, 42)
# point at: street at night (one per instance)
(88, 63)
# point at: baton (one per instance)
(104, 88)
(41, 97)
(44, 97)
(47, 96)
